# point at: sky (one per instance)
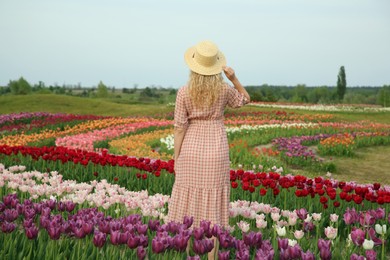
(124, 43)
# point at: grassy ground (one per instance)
(370, 164)
(76, 105)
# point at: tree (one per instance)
(20, 87)
(384, 96)
(102, 91)
(300, 94)
(341, 83)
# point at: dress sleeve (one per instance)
(181, 115)
(235, 98)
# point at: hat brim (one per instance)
(203, 70)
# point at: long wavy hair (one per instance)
(205, 90)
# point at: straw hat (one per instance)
(205, 58)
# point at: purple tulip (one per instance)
(69, 206)
(124, 237)
(187, 221)
(66, 228)
(88, 227)
(224, 255)
(282, 243)
(242, 255)
(141, 253)
(173, 227)
(358, 236)
(350, 216)
(115, 237)
(216, 231)
(115, 225)
(205, 224)
(19, 208)
(379, 213)
(99, 239)
(263, 254)
(142, 229)
(54, 231)
(105, 227)
(180, 242)
(143, 241)
(10, 215)
(294, 252)
(133, 219)
(28, 223)
(44, 221)
(8, 199)
(307, 256)
(324, 247)
(29, 212)
(46, 211)
(61, 206)
(7, 227)
(78, 232)
(308, 226)
(302, 213)
(32, 232)
(157, 246)
(366, 219)
(355, 256)
(51, 204)
(28, 202)
(253, 239)
(133, 241)
(372, 234)
(2, 206)
(14, 202)
(226, 240)
(198, 233)
(371, 255)
(203, 246)
(154, 224)
(37, 207)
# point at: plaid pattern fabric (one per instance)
(202, 185)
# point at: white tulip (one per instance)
(368, 244)
(281, 231)
(380, 229)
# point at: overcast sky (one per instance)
(124, 42)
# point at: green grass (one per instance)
(76, 105)
(371, 164)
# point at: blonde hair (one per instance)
(204, 90)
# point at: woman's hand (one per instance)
(229, 73)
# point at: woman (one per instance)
(202, 185)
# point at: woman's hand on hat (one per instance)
(229, 73)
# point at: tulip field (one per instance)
(98, 187)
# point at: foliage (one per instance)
(19, 87)
(102, 91)
(384, 96)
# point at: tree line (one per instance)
(265, 93)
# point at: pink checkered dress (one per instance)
(202, 185)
